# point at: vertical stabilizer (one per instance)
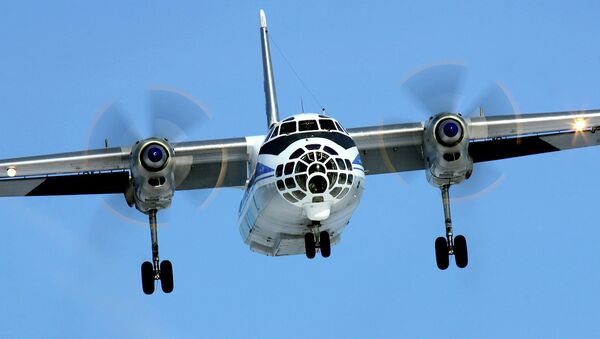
(269, 81)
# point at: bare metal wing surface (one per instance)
(398, 148)
(217, 163)
(202, 164)
(224, 162)
(390, 148)
(501, 137)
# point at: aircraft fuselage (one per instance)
(308, 171)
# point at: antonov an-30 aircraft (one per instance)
(305, 177)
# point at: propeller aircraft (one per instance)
(304, 178)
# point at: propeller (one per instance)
(175, 113)
(440, 87)
(436, 87)
(170, 113)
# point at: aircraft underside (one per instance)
(273, 226)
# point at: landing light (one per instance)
(11, 172)
(580, 125)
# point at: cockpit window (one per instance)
(288, 127)
(269, 135)
(272, 134)
(340, 127)
(327, 124)
(308, 125)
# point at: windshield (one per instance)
(288, 127)
(308, 125)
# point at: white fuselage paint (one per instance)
(273, 216)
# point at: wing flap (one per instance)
(496, 149)
(97, 183)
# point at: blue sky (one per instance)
(71, 269)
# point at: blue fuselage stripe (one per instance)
(263, 178)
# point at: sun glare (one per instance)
(580, 125)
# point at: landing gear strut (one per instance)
(445, 247)
(156, 270)
(316, 239)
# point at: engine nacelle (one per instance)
(153, 174)
(446, 150)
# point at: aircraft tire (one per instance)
(325, 243)
(309, 244)
(166, 276)
(442, 258)
(460, 251)
(147, 277)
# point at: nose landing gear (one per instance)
(156, 270)
(316, 239)
(450, 245)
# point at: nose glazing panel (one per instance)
(314, 170)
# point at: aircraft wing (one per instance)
(501, 137)
(224, 162)
(204, 164)
(398, 148)
(390, 148)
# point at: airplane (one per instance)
(304, 178)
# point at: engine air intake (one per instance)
(154, 157)
(449, 132)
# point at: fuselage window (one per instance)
(289, 168)
(308, 125)
(330, 165)
(288, 127)
(348, 164)
(297, 153)
(330, 150)
(289, 197)
(327, 124)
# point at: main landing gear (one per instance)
(316, 239)
(156, 270)
(445, 247)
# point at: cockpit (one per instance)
(304, 123)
